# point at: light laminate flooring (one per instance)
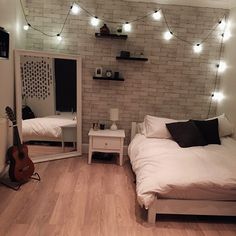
(77, 199)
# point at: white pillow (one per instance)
(225, 127)
(155, 127)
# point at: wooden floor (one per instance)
(77, 199)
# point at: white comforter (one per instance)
(44, 127)
(165, 170)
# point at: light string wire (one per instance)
(217, 77)
(119, 22)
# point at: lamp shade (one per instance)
(114, 114)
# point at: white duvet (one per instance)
(165, 170)
(44, 127)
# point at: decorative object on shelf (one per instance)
(125, 54)
(104, 30)
(102, 126)
(114, 116)
(119, 30)
(98, 72)
(95, 126)
(108, 73)
(116, 75)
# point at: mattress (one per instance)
(164, 170)
(45, 128)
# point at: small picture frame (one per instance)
(98, 72)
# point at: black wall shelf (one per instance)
(132, 58)
(106, 78)
(111, 36)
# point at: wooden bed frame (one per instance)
(187, 207)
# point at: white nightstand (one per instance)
(108, 141)
(69, 134)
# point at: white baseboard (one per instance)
(85, 148)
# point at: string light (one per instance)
(25, 27)
(222, 66)
(75, 9)
(59, 38)
(157, 15)
(127, 27)
(197, 48)
(222, 24)
(217, 96)
(227, 34)
(94, 21)
(168, 35)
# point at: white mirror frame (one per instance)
(18, 99)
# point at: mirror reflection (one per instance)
(49, 124)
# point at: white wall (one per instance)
(228, 79)
(11, 19)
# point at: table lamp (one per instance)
(114, 116)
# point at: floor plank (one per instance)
(74, 198)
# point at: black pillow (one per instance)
(209, 130)
(27, 113)
(186, 134)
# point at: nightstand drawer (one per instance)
(106, 143)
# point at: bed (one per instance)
(173, 180)
(46, 128)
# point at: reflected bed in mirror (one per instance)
(49, 86)
(49, 133)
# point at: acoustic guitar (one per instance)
(21, 166)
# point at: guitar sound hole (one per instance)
(21, 155)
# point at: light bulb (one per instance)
(218, 96)
(157, 15)
(226, 35)
(94, 21)
(222, 66)
(127, 27)
(75, 9)
(197, 48)
(26, 27)
(59, 38)
(222, 24)
(168, 35)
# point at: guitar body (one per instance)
(21, 166)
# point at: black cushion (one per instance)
(186, 134)
(27, 113)
(209, 130)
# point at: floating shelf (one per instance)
(105, 78)
(132, 58)
(112, 36)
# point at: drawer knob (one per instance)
(106, 144)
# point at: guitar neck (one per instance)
(16, 137)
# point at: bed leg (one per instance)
(151, 215)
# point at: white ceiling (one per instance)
(226, 4)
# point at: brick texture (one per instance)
(175, 82)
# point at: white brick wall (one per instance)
(174, 83)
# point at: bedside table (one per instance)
(69, 134)
(109, 141)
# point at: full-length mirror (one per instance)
(48, 101)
